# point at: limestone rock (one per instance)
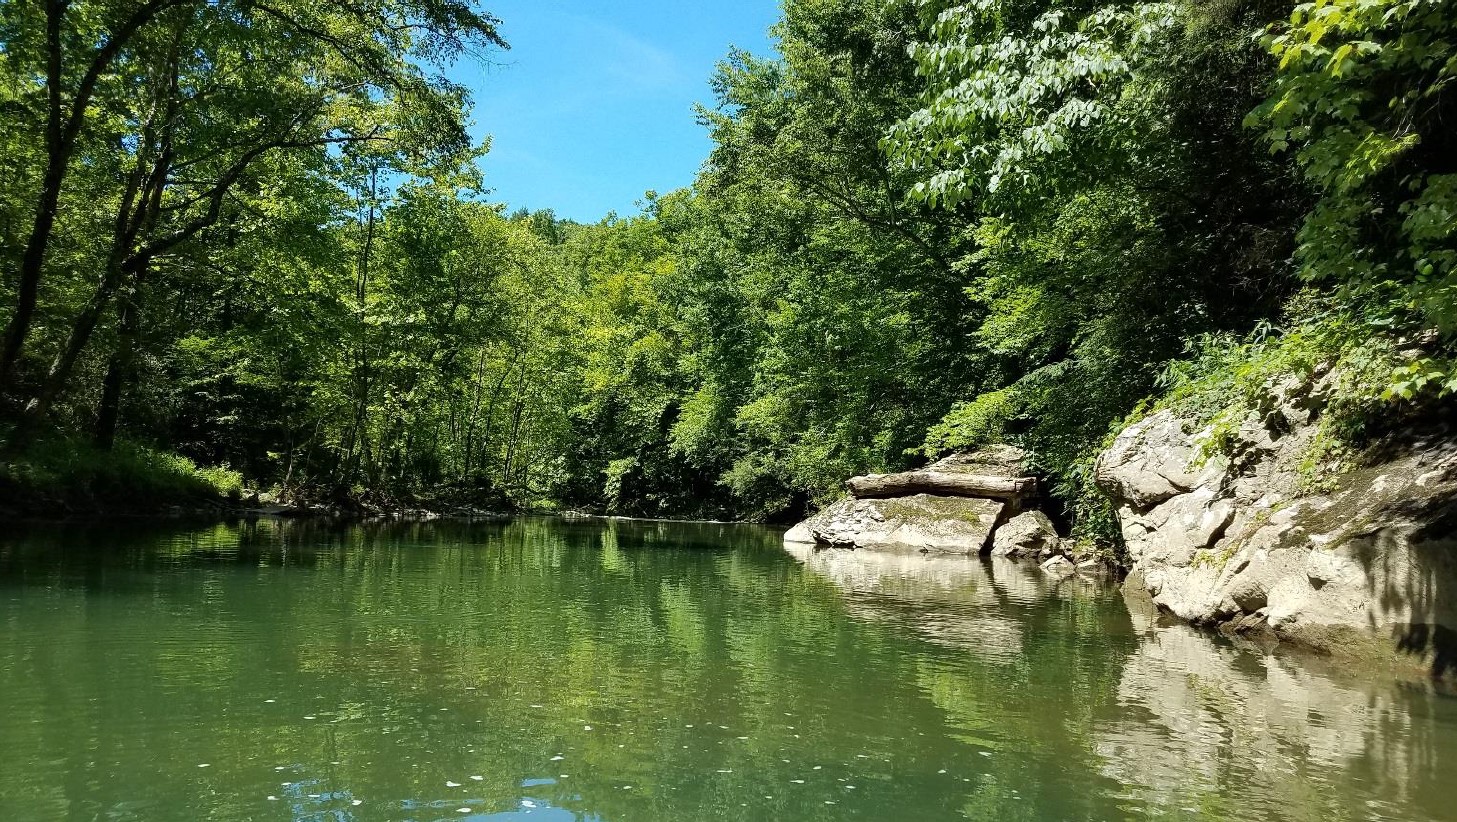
(1025, 535)
(993, 461)
(1371, 562)
(1148, 463)
(954, 525)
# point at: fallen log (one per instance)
(886, 486)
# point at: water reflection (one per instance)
(607, 670)
(1198, 727)
(619, 671)
(1203, 717)
(961, 601)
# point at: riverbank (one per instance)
(1357, 567)
(61, 479)
(1274, 540)
(1269, 523)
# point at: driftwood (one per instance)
(886, 486)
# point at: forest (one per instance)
(246, 244)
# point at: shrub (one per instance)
(68, 473)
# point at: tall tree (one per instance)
(254, 79)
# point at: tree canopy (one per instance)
(254, 233)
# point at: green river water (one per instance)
(643, 672)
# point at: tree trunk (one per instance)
(468, 422)
(884, 486)
(512, 442)
(58, 159)
(28, 292)
(363, 461)
(60, 372)
(489, 418)
(120, 368)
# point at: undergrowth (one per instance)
(66, 474)
(1364, 384)
(1369, 386)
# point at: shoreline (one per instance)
(1371, 655)
(224, 510)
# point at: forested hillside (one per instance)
(253, 234)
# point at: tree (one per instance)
(1364, 98)
(230, 84)
(1115, 214)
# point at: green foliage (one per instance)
(1224, 374)
(129, 478)
(923, 227)
(1021, 94)
(816, 312)
(1424, 376)
(1225, 380)
(980, 422)
(1364, 97)
(1114, 215)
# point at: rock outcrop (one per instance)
(995, 461)
(952, 523)
(1240, 541)
(979, 514)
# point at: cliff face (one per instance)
(1369, 563)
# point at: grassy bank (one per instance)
(65, 477)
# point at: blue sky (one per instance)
(593, 104)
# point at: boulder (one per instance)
(954, 525)
(1025, 535)
(993, 461)
(1148, 463)
(1241, 541)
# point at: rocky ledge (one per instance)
(1365, 562)
(973, 503)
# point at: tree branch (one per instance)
(104, 57)
(218, 193)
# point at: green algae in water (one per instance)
(641, 672)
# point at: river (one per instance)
(545, 670)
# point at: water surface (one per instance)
(634, 672)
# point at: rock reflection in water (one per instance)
(956, 600)
(1182, 723)
(1232, 733)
